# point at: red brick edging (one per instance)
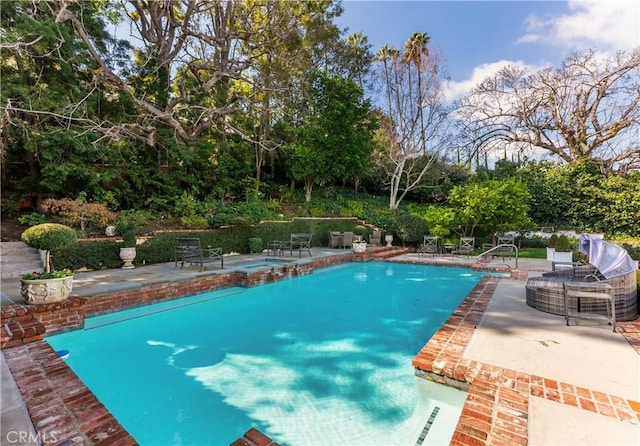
(62, 409)
(497, 407)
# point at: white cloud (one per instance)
(605, 25)
(456, 90)
(608, 26)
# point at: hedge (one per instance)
(95, 255)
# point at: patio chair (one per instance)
(429, 245)
(297, 241)
(504, 251)
(347, 240)
(335, 239)
(189, 250)
(562, 260)
(466, 246)
(375, 237)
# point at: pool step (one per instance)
(388, 252)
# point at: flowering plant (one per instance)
(50, 275)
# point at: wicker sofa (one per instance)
(546, 293)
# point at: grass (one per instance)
(532, 253)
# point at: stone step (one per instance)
(16, 258)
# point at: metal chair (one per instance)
(467, 245)
(429, 245)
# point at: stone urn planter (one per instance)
(389, 239)
(359, 246)
(128, 231)
(127, 255)
(47, 286)
(45, 291)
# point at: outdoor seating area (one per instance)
(345, 239)
(297, 242)
(189, 250)
(609, 264)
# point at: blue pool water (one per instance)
(321, 359)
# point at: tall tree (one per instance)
(415, 48)
(588, 108)
(334, 142)
(287, 41)
(414, 131)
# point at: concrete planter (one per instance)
(359, 246)
(45, 291)
(127, 255)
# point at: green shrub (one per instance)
(139, 219)
(255, 245)
(553, 241)
(186, 206)
(534, 242)
(563, 244)
(91, 255)
(410, 228)
(634, 251)
(194, 222)
(161, 248)
(361, 230)
(316, 212)
(32, 219)
(49, 237)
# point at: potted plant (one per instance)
(128, 232)
(359, 246)
(388, 238)
(47, 286)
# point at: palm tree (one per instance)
(359, 45)
(415, 48)
(384, 55)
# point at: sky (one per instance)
(479, 37)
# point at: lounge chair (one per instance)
(429, 245)
(467, 245)
(188, 250)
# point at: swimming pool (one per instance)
(322, 359)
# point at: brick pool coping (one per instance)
(495, 412)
